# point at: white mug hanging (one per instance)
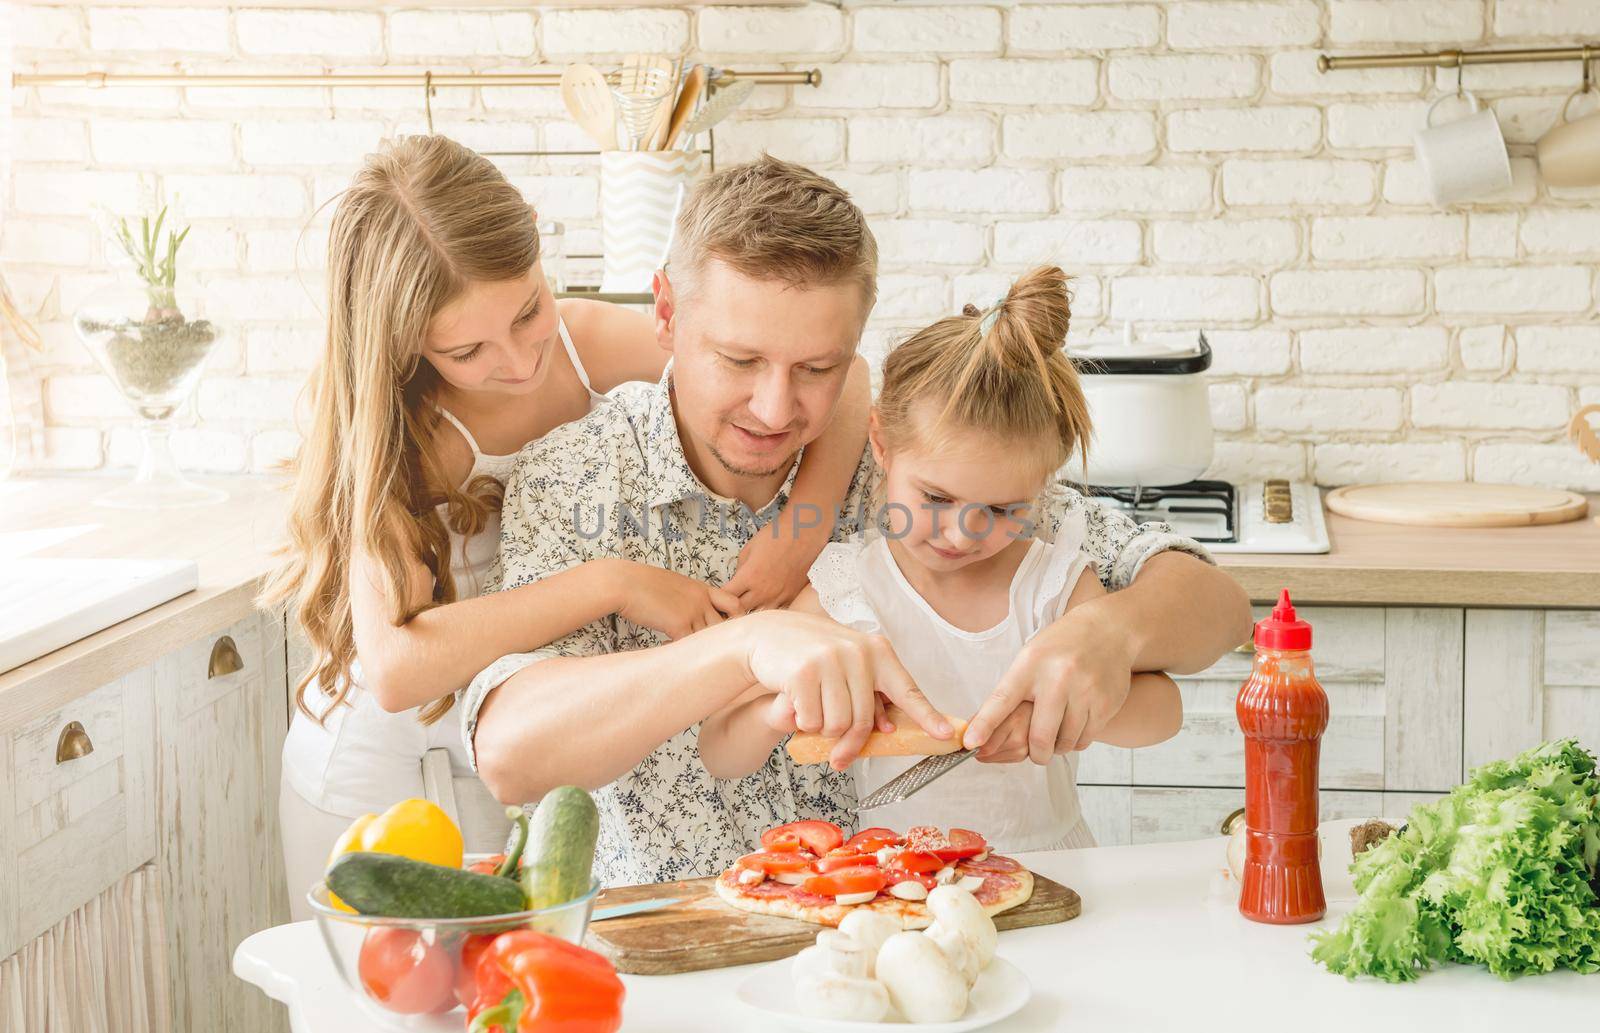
(1465, 159)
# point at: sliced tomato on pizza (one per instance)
(870, 841)
(819, 837)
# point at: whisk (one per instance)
(639, 91)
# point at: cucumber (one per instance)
(398, 887)
(560, 854)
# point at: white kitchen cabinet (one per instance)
(178, 771)
(1418, 697)
(1393, 678)
(1531, 675)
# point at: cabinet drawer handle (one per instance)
(225, 658)
(74, 743)
(1232, 819)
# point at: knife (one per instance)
(915, 778)
(637, 907)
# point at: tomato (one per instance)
(489, 865)
(917, 861)
(894, 876)
(870, 841)
(962, 844)
(860, 879)
(405, 973)
(472, 949)
(843, 859)
(774, 861)
(816, 836)
(784, 843)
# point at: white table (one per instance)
(1153, 950)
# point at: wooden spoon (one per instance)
(588, 100)
(655, 138)
(694, 84)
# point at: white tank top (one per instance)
(362, 758)
(1015, 806)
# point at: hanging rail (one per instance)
(96, 80)
(1457, 58)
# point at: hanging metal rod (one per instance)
(1457, 58)
(96, 80)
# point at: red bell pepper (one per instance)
(532, 983)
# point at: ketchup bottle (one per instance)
(1282, 712)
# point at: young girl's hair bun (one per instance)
(1002, 370)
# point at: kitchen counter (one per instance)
(1155, 949)
(1551, 567)
(1374, 564)
(232, 543)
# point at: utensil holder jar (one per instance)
(639, 193)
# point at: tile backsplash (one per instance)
(1184, 159)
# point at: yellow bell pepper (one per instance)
(417, 829)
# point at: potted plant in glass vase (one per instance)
(153, 351)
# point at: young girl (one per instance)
(445, 354)
(976, 414)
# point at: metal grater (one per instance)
(914, 779)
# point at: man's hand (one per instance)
(669, 602)
(829, 676)
(1075, 675)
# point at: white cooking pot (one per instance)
(1150, 410)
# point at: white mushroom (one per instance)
(869, 929)
(922, 983)
(832, 996)
(956, 910)
(831, 981)
(962, 957)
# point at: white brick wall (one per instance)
(1183, 159)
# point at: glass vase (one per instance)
(148, 341)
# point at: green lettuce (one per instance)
(1502, 873)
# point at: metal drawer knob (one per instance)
(74, 743)
(225, 658)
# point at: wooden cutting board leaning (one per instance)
(703, 932)
(1454, 504)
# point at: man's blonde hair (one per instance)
(773, 220)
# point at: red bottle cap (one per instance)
(1283, 630)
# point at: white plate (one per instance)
(1001, 991)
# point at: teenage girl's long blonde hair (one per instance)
(1001, 371)
(423, 218)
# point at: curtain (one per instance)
(102, 969)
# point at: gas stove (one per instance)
(1260, 516)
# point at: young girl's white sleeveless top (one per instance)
(362, 758)
(1017, 807)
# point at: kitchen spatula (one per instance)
(588, 101)
(719, 107)
(915, 779)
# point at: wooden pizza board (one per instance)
(702, 932)
(1457, 504)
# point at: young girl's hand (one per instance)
(672, 603)
(1009, 742)
(772, 570)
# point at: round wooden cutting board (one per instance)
(1452, 504)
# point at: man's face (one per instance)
(757, 368)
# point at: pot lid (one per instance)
(1134, 356)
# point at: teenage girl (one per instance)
(445, 354)
(976, 414)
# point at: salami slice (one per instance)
(996, 888)
(994, 863)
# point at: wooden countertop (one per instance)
(232, 543)
(1371, 564)
(1551, 567)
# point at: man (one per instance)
(772, 277)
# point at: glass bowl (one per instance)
(406, 973)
